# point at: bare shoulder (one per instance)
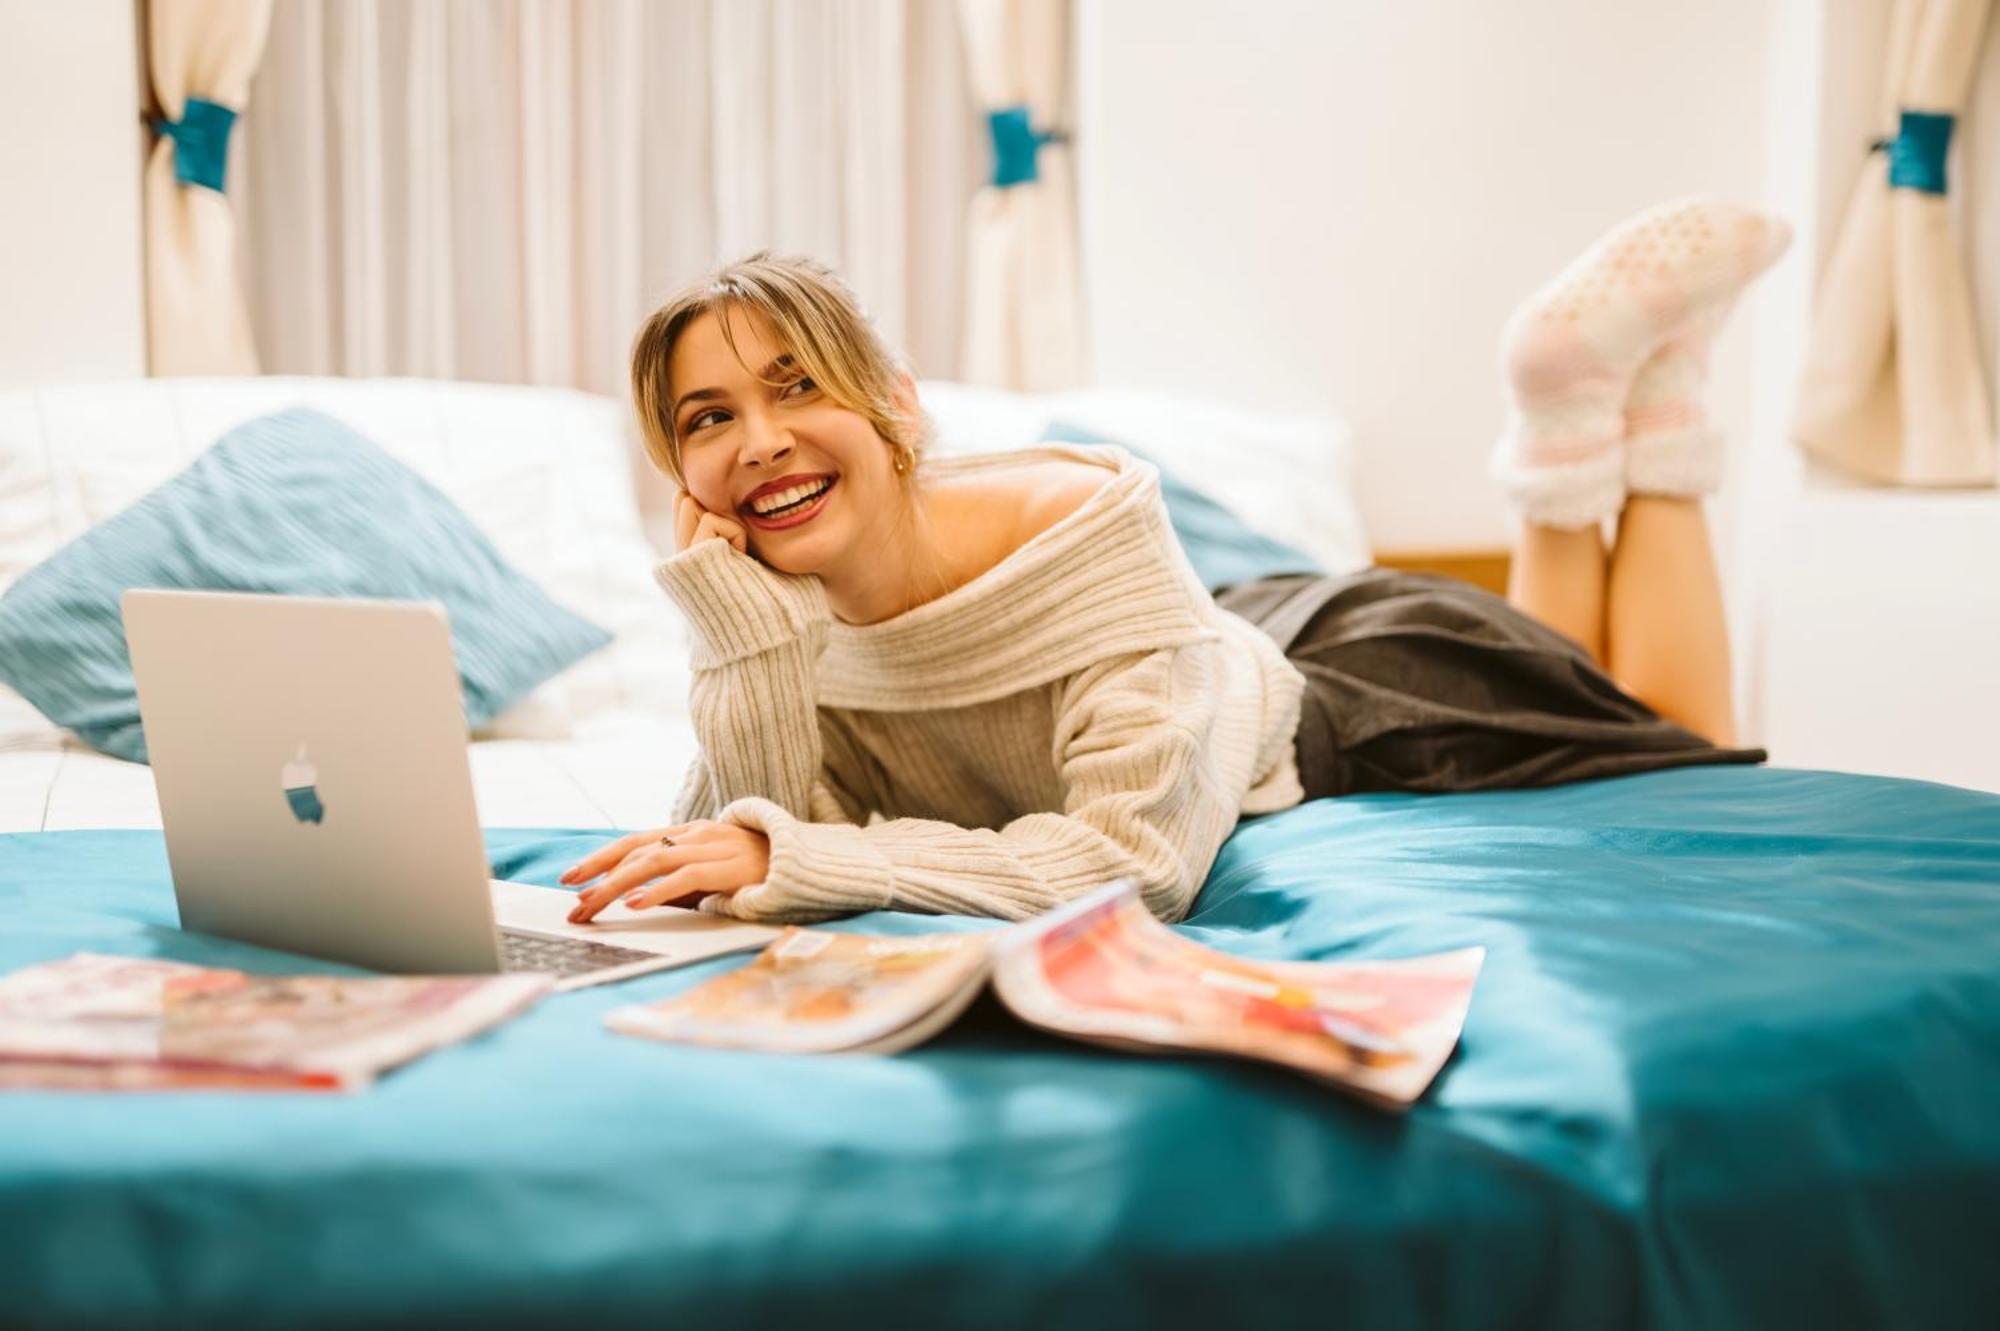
(1049, 491)
(989, 517)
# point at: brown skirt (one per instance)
(1422, 683)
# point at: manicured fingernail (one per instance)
(635, 899)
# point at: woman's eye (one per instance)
(798, 387)
(701, 419)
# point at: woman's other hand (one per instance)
(694, 523)
(671, 866)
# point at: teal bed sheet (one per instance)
(1734, 1061)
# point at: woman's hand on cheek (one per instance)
(694, 523)
(671, 866)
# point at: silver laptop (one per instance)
(310, 756)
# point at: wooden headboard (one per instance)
(1482, 568)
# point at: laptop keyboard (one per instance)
(562, 956)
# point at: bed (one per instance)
(1734, 1061)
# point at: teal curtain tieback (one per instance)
(201, 142)
(1016, 143)
(1916, 154)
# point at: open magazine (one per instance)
(1101, 969)
(95, 1022)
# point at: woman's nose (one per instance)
(766, 442)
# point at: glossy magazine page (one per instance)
(815, 991)
(1103, 969)
(140, 1023)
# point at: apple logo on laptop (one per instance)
(300, 780)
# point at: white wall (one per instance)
(70, 277)
(1334, 206)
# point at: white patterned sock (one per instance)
(1574, 350)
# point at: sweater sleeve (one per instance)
(1138, 802)
(757, 637)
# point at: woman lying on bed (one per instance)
(1009, 658)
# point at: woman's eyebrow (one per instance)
(784, 362)
(698, 395)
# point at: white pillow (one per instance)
(1290, 477)
(545, 473)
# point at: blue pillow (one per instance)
(1222, 547)
(294, 504)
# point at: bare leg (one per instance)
(1558, 576)
(1667, 641)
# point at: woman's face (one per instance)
(738, 435)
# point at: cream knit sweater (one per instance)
(1079, 712)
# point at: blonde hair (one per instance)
(820, 323)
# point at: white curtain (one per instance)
(200, 56)
(1894, 388)
(502, 190)
(1023, 323)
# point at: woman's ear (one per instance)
(906, 396)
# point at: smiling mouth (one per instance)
(795, 513)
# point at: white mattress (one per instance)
(624, 777)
